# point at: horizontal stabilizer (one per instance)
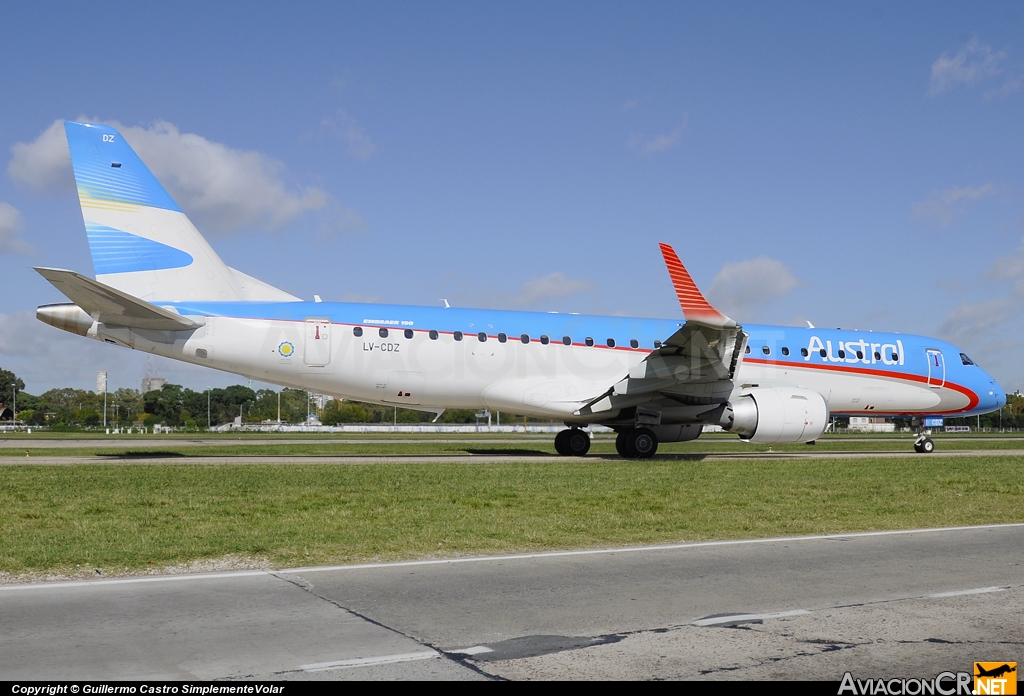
(695, 307)
(113, 307)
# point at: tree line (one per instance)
(178, 406)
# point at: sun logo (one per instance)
(286, 349)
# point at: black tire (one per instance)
(577, 442)
(562, 443)
(642, 443)
(927, 446)
(622, 446)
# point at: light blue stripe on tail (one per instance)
(114, 251)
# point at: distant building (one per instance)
(864, 424)
(153, 384)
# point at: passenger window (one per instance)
(408, 333)
(589, 341)
(895, 357)
(566, 340)
(766, 350)
(860, 355)
(525, 338)
(878, 356)
(746, 350)
(502, 338)
(610, 342)
(842, 353)
(357, 331)
(965, 360)
(544, 340)
(457, 335)
(657, 344)
(823, 353)
(633, 343)
(433, 335)
(803, 352)
(785, 351)
(383, 333)
(482, 337)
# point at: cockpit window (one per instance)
(965, 360)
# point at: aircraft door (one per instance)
(317, 352)
(936, 368)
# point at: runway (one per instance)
(481, 458)
(884, 604)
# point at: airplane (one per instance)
(161, 288)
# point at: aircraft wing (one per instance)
(113, 307)
(695, 366)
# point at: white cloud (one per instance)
(975, 62)
(45, 163)
(742, 289)
(351, 133)
(650, 145)
(659, 143)
(549, 287)
(10, 223)
(971, 320)
(222, 188)
(23, 334)
(1011, 267)
(943, 206)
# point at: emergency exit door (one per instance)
(317, 352)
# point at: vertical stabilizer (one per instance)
(141, 241)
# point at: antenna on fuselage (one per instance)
(446, 305)
(809, 324)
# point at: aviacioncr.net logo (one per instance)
(945, 684)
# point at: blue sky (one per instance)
(856, 165)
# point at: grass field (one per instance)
(122, 518)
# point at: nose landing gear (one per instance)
(923, 444)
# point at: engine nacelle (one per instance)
(780, 414)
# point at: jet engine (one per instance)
(776, 415)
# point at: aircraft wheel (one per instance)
(621, 445)
(925, 446)
(562, 443)
(577, 442)
(642, 443)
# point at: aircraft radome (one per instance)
(162, 289)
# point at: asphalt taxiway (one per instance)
(877, 604)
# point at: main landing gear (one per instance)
(637, 443)
(572, 442)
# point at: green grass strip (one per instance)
(129, 517)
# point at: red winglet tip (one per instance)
(691, 300)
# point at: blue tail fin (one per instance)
(141, 241)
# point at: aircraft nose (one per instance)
(997, 395)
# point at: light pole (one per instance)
(14, 410)
(207, 408)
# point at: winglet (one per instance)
(695, 307)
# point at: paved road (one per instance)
(532, 458)
(884, 604)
